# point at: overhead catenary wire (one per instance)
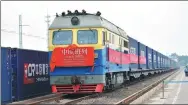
(14, 32)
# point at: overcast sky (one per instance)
(162, 25)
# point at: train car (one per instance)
(149, 58)
(158, 60)
(171, 64)
(161, 61)
(30, 70)
(25, 74)
(133, 52)
(167, 62)
(6, 87)
(142, 56)
(89, 54)
(157, 63)
(167, 59)
(154, 58)
(164, 62)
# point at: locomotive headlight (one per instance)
(75, 20)
(96, 55)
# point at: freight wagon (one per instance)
(6, 75)
(154, 58)
(142, 56)
(89, 54)
(133, 52)
(25, 74)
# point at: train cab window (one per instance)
(87, 37)
(63, 37)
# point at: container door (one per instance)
(6, 75)
(14, 74)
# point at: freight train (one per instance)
(89, 54)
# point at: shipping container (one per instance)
(162, 63)
(154, 59)
(142, 56)
(170, 63)
(165, 61)
(149, 62)
(160, 58)
(30, 72)
(157, 60)
(133, 52)
(6, 88)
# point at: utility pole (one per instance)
(48, 25)
(20, 31)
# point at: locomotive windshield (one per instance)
(63, 37)
(87, 37)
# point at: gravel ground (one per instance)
(119, 94)
(65, 99)
(111, 97)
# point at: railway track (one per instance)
(38, 100)
(136, 95)
(113, 97)
(122, 96)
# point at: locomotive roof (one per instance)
(86, 21)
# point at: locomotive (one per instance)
(89, 54)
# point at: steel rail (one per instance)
(136, 95)
(82, 98)
(97, 94)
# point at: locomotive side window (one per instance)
(87, 37)
(110, 39)
(63, 37)
(113, 39)
(104, 37)
(120, 41)
(125, 44)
